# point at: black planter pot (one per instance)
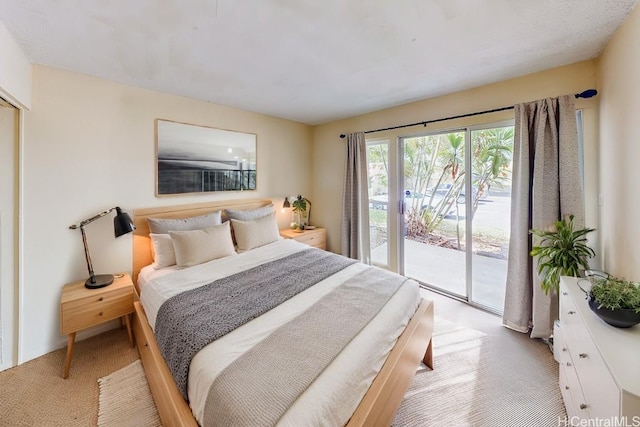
(622, 318)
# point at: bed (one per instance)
(376, 404)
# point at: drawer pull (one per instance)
(101, 299)
(583, 406)
(568, 363)
(566, 387)
(564, 293)
(582, 355)
(564, 348)
(100, 314)
(572, 312)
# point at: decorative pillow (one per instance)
(197, 246)
(259, 232)
(164, 225)
(162, 250)
(249, 214)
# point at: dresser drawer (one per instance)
(572, 392)
(83, 313)
(605, 358)
(601, 393)
(565, 391)
(558, 340)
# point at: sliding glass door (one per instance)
(434, 210)
(378, 170)
(455, 189)
(490, 213)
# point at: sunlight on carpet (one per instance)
(481, 380)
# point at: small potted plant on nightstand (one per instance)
(562, 251)
(299, 206)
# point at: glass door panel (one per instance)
(434, 220)
(490, 200)
(451, 230)
(378, 182)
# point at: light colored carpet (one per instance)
(35, 394)
(125, 399)
(484, 380)
(480, 380)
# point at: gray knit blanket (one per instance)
(260, 386)
(189, 321)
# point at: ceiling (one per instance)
(311, 61)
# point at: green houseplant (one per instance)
(299, 206)
(562, 251)
(615, 293)
(615, 300)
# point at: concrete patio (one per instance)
(444, 268)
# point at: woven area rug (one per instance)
(125, 399)
(481, 380)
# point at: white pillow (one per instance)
(162, 249)
(164, 225)
(197, 246)
(259, 232)
(249, 214)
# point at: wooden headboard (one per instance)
(141, 241)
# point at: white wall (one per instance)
(329, 150)
(618, 71)
(88, 146)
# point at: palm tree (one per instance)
(450, 156)
(492, 155)
(420, 157)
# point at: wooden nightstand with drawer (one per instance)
(316, 237)
(82, 308)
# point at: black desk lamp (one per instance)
(122, 224)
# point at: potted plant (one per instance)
(298, 207)
(562, 251)
(615, 300)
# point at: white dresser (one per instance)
(599, 364)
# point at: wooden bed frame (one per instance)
(378, 406)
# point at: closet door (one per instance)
(9, 127)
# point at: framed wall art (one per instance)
(199, 159)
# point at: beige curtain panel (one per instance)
(546, 186)
(355, 200)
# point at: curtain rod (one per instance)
(589, 93)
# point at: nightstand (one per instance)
(82, 308)
(316, 237)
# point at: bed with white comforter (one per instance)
(333, 396)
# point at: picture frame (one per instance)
(193, 159)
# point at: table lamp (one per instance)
(122, 224)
